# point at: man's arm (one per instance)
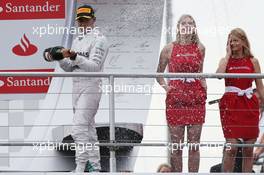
(96, 59)
(66, 65)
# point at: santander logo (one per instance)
(23, 84)
(29, 9)
(24, 48)
(2, 83)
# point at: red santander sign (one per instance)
(25, 48)
(32, 9)
(14, 85)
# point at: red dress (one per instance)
(185, 102)
(239, 114)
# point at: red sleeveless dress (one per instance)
(185, 102)
(239, 114)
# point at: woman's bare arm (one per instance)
(202, 51)
(163, 62)
(223, 62)
(259, 83)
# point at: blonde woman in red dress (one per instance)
(185, 102)
(239, 107)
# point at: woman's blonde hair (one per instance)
(195, 38)
(241, 34)
(163, 165)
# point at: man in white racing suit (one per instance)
(88, 54)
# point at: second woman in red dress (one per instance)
(239, 107)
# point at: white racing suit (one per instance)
(92, 50)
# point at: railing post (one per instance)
(112, 123)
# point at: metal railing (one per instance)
(111, 78)
(132, 75)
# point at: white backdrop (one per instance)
(214, 19)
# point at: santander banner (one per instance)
(22, 47)
(25, 84)
(28, 9)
